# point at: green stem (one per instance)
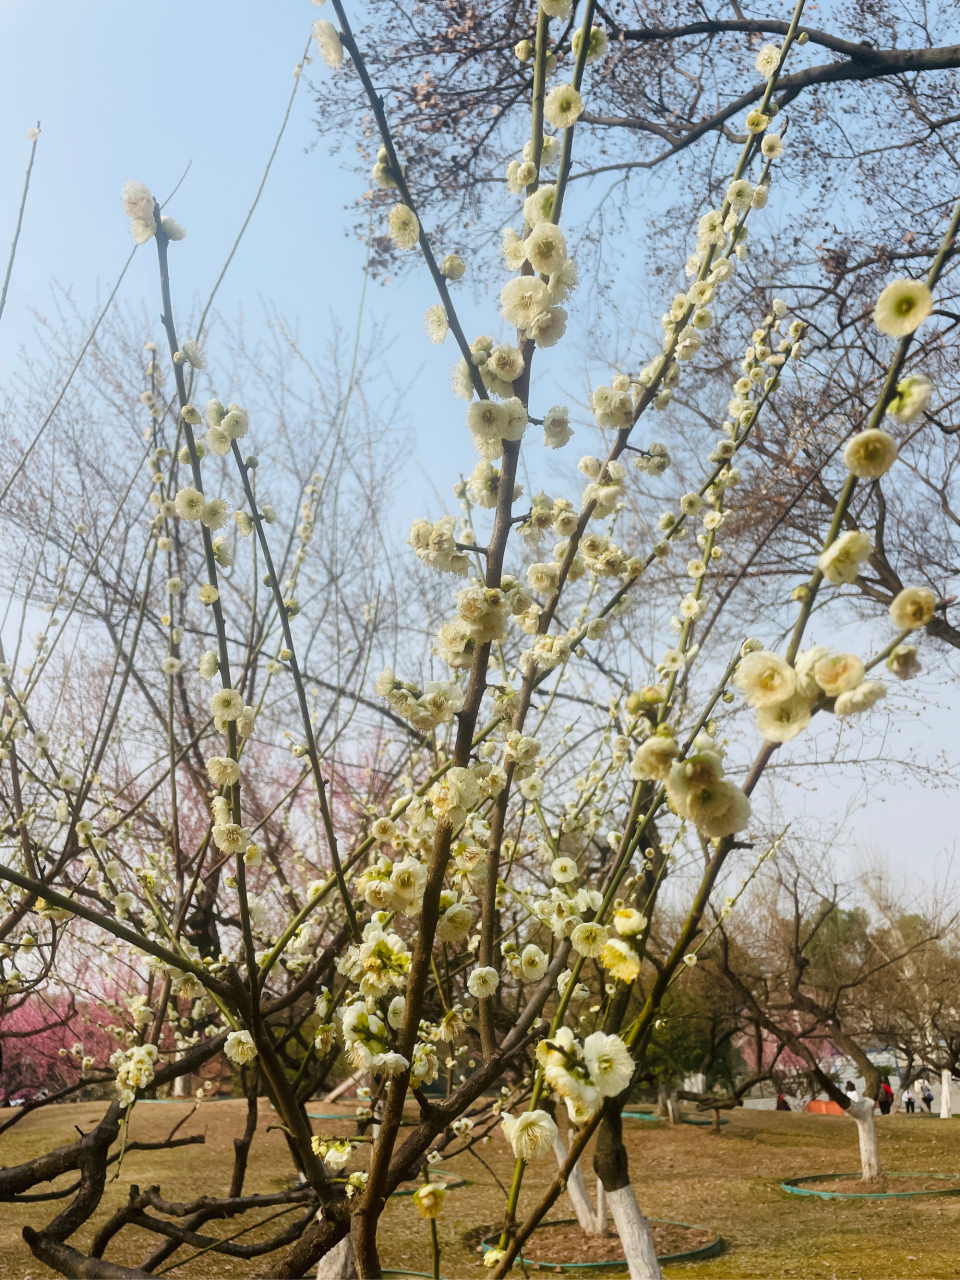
(539, 85)
(396, 172)
(16, 234)
(435, 1244)
(816, 578)
(226, 1239)
(876, 417)
(566, 154)
(434, 1238)
(885, 653)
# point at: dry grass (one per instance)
(729, 1184)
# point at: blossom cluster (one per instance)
(535, 825)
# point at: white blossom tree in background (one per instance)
(491, 864)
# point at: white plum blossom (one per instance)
(531, 1135)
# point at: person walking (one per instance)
(782, 1103)
(886, 1097)
(926, 1093)
(852, 1091)
(909, 1102)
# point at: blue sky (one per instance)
(129, 91)
(125, 90)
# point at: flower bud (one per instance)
(453, 266)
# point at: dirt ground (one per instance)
(728, 1183)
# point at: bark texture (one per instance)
(339, 1263)
(592, 1221)
(635, 1235)
(862, 1114)
(576, 1189)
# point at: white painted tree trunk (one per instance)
(862, 1114)
(946, 1101)
(590, 1221)
(601, 1209)
(344, 1085)
(339, 1263)
(635, 1235)
(181, 1086)
(375, 1127)
(667, 1105)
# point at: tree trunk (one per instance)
(181, 1086)
(343, 1086)
(366, 1256)
(68, 1261)
(611, 1166)
(663, 1102)
(601, 1210)
(319, 1239)
(338, 1264)
(377, 1109)
(946, 1101)
(577, 1190)
(862, 1114)
(635, 1234)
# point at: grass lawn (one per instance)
(728, 1183)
